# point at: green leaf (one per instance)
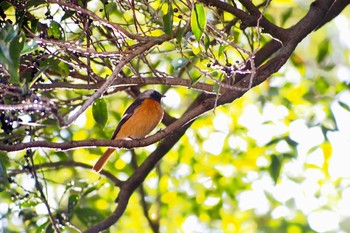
(99, 111)
(63, 69)
(221, 49)
(27, 214)
(312, 149)
(168, 21)
(37, 76)
(42, 227)
(89, 190)
(8, 33)
(49, 228)
(55, 31)
(16, 47)
(275, 168)
(198, 21)
(88, 216)
(4, 6)
(206, 42)
(72, 202)
(11, 45)
(216, 88)
(30, 203)
(321, 85)
(29, 47)
(3, 177)
(286, 15)
(332, 120)
(62, 156)
(344, 105)
(179, 34)
(67, 14)
(179, 63)
(323, 51)
(195, 79)
(35, 3)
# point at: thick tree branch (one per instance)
(249, 20)
(334, 11)
(154, 223)
(319, 10)
(317, 13)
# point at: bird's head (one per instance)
(153, 94)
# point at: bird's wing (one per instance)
(128, 113)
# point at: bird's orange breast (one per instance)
(145, 118)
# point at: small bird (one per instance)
(139, 119)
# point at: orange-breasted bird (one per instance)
(139, 119)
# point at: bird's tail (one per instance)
(103, 160)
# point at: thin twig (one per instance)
(39, 187)
(65, 164)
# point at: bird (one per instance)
(139, 119)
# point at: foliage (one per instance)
(270, 161)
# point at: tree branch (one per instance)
(178, 124)
(249, 20)
(65, 164)
(127, 82)
(295, 34)
(317, 13)
(334, 11)
(153, 224)
(39, 187)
